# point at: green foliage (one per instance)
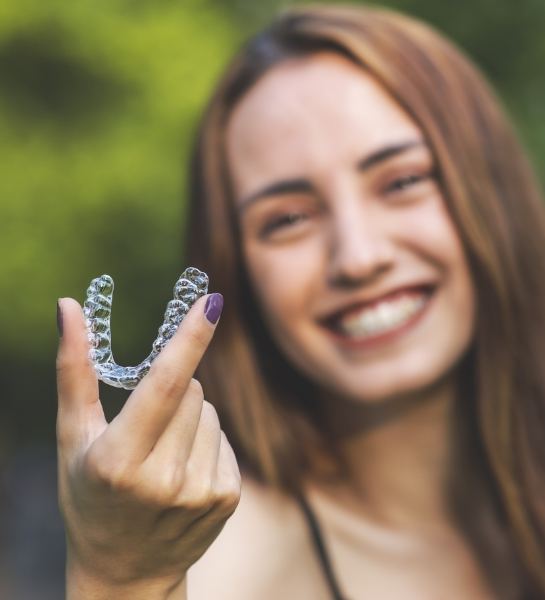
(98, 104)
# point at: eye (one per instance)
(407, 182)
(404, 182)
(282, 222)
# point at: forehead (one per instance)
(311, 115)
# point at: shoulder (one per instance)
(255, 550)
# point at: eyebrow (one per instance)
(290, 186)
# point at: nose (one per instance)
(360, 250)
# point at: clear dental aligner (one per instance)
(191, 285)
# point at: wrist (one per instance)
(83, 585)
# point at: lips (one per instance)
(332, 320)
(371, 330)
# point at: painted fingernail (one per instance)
(213, 307)
(59, 318)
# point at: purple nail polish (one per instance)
(59, 319)
(213, 307)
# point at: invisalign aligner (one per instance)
(191, 285)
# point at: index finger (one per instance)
(150, 407)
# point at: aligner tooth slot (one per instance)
(99, 325)
(167, 331)
(103, 300)
(101, 312)
(99, 356)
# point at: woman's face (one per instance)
(349, 246)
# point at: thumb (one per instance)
(79, 408)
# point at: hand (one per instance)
(145, 495)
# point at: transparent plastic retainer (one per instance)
(191, 285)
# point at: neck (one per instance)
(397, 456)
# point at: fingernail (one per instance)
(213, 307)
(59, 318)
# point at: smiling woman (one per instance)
(377, 233)
(326, 279)
(382, 261)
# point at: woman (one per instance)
(371, 220)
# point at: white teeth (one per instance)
(382, 317)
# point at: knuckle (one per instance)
(168, 382)
(168, 483)
(228, 492)
(109, 473)
(195, 494)
(226, 501)
(162, 493)
(199, 501)
(195, 482)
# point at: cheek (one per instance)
(444, 242)
(432, 231)
(284, 278)
(431, 226)
(431, 234)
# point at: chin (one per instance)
(372, 388)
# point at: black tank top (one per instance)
(321, 552)
(320, 548)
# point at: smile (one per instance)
(383, 320)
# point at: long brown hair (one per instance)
(498, 484)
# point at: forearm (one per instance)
(83, 586)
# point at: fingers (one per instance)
(211, 473)
(172, 450)
(153, 403)
(217, 496)
(228, 477)
(77, 383)
(203, 460)
(181, 470)
(193, 461)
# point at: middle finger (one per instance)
(137, 428)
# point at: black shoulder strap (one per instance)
(319, 546)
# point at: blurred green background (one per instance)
(98, 106)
